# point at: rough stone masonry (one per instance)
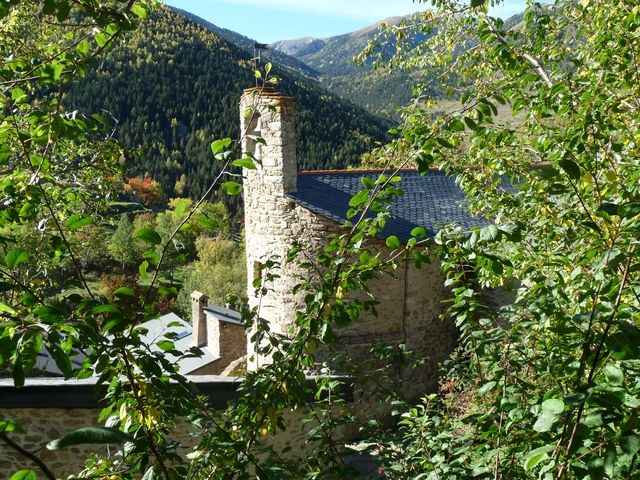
(410, 303)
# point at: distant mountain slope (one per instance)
(335, 55)
(299, 47)
(174, 86)
(380, 91)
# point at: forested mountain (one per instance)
(270, 55)
(378, 90)
(174, 86)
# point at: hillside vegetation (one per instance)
(173, 86)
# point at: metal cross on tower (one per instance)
(257, 50)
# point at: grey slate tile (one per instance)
(429, 201)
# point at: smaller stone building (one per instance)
(216, 330)
(283, 206)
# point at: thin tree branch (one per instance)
(30, 455)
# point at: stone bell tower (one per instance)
(269, 214)
(267, 114)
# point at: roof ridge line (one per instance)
(364, 170)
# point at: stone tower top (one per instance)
(266, 114)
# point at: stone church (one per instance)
(283, 205)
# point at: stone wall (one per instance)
(225, 339)
(410, 305)
(40, 427)
(233, 342)
(49, 408)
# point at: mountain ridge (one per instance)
(379, 90)
(247, 44)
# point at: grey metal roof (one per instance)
(156, 330)
(429, 201)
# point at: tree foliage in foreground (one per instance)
(549, 386)
(545, 388)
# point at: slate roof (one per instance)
(223, 314)
(430, 201)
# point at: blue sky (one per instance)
(270, 20)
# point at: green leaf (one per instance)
(77, 221)
(630, 443)
(61, 358)
(24, 475)
(570, 167)
(220, 145)
(477, 3)
(7, 309)
(101, 435)
(232, 188)
(368, 182)
(610, 461)
(18, 372)
(490, 232)
(51, 72)
(613, 375)
(5, 153)
(456, 125)
(544, 422)
(18, 94)
(393, 242)
(168, 292)
(102, 38)
(418, 232)
(471, 123)
(15, 258)
(244, 163)
(359, 198)
(108, 308)
(165, 345)
(152, 256)
(84, 47)
(534, 457)
(124, 292)
(139, 10)
(28, 210)
(208, 223)
(150, 474)
(486, 388)
(444, 142)
(142, 269)
(554, 406)
(149, 235)
(49, 314)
